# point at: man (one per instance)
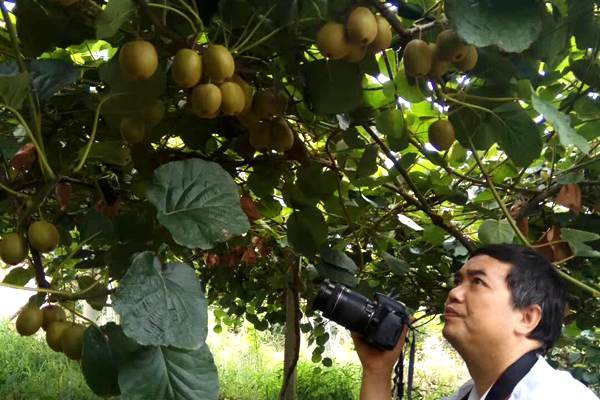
(504, 313)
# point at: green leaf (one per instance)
(98, 363)
(409, 91)
(307, 230)
(587, 71)
(119, 257)
(561, 123)
(313, 182)
(115, 14)
(335, 274)
(14, 89)
(338, 259)
(577, 241)
(367, 165)
(333, 87)
(168, 373)
(50, 76)
(495, 231)
(162, 305)
(515, 132)
(198, 202)
(110, 152)
(96, 225)
(133, 95)
(19, 276)
(468, 127)
(396, 265)
(434, 234)
(584, 23)
(512, 25)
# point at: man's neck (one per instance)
(486, 368)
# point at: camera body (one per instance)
(379, 321)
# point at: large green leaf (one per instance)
(168, 373)
(198, 202)
(14, 89)
(561, 123)
(115, 14)
(577, 240)
(495, 231)
(512, 25)
(391, 123)
(19, 276)
(333, 87)
(394, 264)
(339, 259)
(367, 165)
(585, 23)
(110, 152)
(162, 305)
(307, 230)
(515, 132)
(98, 363)
(50, 76)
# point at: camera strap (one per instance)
(503, 387)
(399, 371)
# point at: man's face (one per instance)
(479, 311)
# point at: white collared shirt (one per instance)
(542, 382)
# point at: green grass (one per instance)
(29, 370)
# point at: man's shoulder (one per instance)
(545, 382)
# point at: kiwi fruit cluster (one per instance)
(422, 59)
(61, 335)
(362, 33)
(41, 236)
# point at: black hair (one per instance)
(532, 280)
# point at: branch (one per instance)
(531, 205)
(405, 34)
(40, 276)
(178, 41)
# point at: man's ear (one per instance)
(530, 318)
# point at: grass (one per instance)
(249, 365)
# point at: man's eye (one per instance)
(477, 281)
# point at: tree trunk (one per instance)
(292, 336)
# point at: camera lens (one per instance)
(345, 307)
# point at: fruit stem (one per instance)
(45, 167)
(90, 143)
(195, 14)
(262, 19)
(176, 11)
(13, 192)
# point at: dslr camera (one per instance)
(379, 321)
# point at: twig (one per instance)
(40, 276)
(13, 192)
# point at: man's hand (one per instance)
(377, 367)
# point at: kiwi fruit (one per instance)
(356, 53)
(441, 135)
(268, 103)
(218, 63)
(206, 100)
(71, 341)
(383, 40)
(450, 46)
(154, 112)
(187, 68)
(417, 58)
(260, 135)
(138, 59)
(29, 320)
(52, 313)
(232, 98)
(132, 130)
(438, 67)
(43, 236)
(54, 332)
(331, 41)
(361, 26)
(13, 249)
(139, 188)
(469, 61)
(248, 93)
(282, 137)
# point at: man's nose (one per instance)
(456, 295)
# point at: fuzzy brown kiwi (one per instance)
(469, 61)
(29, 320)
(52, 313)
(383, 40)
(132, 130)
(417, 58)
(331, 41)
(361, 26)
(441, 135)
(138, 59)
(187, 68)
(13, 248)
(206, 100)
(282, 137)
(218, 63)
(450, 46)
(71, 341)
(438, 67)
(232, 98)
(43, 236)
(260, 135)
(356, 53)
(54, 332)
